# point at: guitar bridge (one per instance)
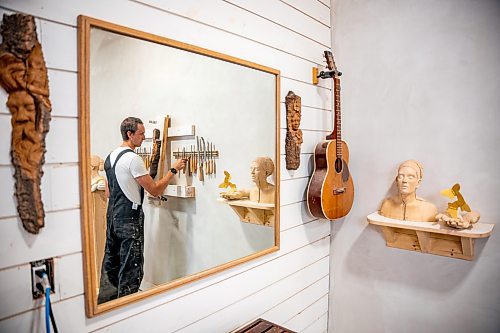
(339, 190)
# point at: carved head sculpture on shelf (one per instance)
(406, 205)
(23, 75)
(261, 169)
(263, 191)
(293, 140)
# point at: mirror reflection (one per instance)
(169, 127)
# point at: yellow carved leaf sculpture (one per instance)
(227, 183)
(453, 207)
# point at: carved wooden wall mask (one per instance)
(23, 75)
(293, 139)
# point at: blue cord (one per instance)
(46, 284)
(47, 309)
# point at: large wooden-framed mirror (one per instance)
(196, 98)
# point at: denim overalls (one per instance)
(122, 266)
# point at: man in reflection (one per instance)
(127, 177)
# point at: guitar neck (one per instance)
(337, 127)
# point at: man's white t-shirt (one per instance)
(129, 167)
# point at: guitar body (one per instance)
(330, 193)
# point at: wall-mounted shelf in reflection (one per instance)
(252, 212)
(430, 237)
(179, 191)
(176, 131)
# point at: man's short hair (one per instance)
(129, 124)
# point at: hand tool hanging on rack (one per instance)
(211, 160)
(184, 157)
(196, 156)
(208, 158)
(191, 160)
(214, 167)
(205, 162)
(200, 160)
(212, 154)
(178, 156)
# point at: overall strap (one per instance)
(116, 161)
(120, 155)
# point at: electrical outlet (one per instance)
(46, 265)
(35, 278)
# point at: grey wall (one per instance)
(421, 81)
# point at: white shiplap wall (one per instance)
(289, 287)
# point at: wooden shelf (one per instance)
(431, 237)
(180, 191)
(252, 212)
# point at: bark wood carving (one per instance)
(23, 75)
(293, 139)
(155, 153)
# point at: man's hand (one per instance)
(157, 188)
(180, 164)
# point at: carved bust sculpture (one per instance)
(406, 205)
(293, 139)
(263, 192)
(97, 182)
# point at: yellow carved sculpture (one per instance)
(227, 183)
(453, 207)
(458, 214)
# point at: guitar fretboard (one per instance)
(338, 128)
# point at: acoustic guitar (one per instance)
(330, 192)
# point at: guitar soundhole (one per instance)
(338, 165)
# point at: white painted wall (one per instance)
(289, 287)
(421, 80)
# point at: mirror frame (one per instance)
(85, 24)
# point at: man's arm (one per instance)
(157, 188)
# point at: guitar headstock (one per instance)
(330, 63)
